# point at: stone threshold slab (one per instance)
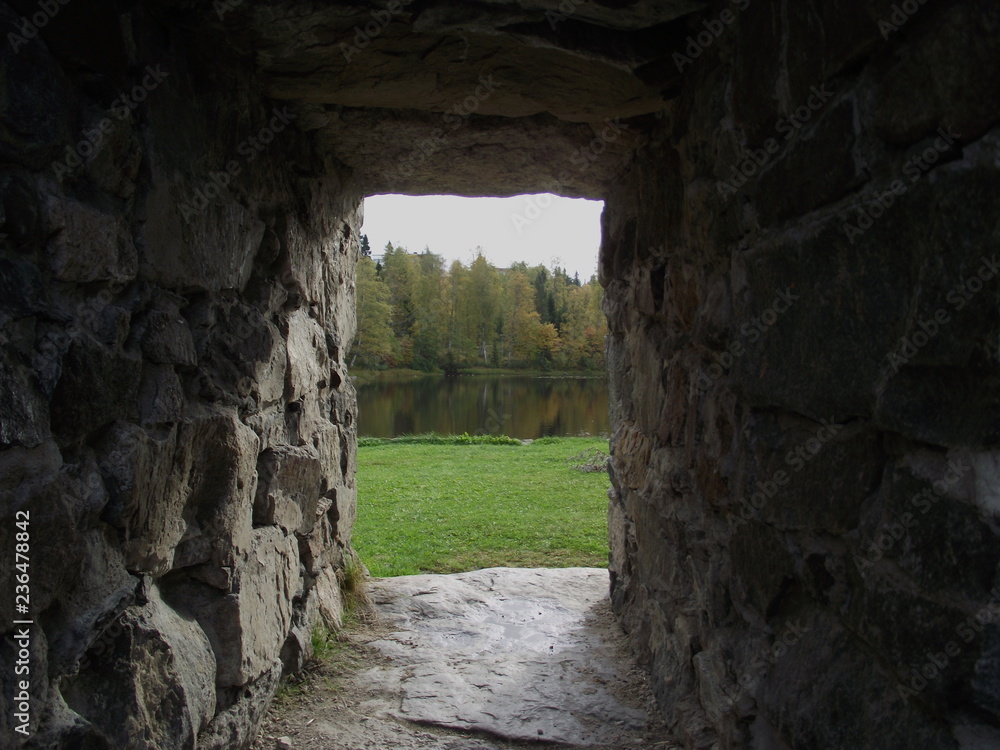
(521, 655)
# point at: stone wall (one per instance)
(801, 271)
(798, 251)
(176, 299)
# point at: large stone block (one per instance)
(161, 395)
(247, 626)
(114, 165)
(240, 354)
(813, 169)
(944, 406)
(821, 41)
(185, 497)
(148, 481)
(236, 725)
(222, 483)
(38, 96)
(74, 574)
(98, 385)
(307, 356)
(21, 289)
(180, 254)
(948, 45)
(925, 523)
(88, 244)
(802, 321)
(149, 679)
(823, 678)
(166, 339)
(24, 409)
(323, 547)
(763, 568)
(910, 628)
(806, 475)
(329, 601)
(289, 489)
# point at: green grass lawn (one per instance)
(440, 506)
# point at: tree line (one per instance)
(413, 312)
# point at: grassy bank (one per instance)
(443, 505)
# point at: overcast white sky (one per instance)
(553, 229)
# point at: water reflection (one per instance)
(519, 406)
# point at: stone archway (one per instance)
(798, 257)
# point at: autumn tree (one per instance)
(429, 310)
(480, 308)
(456, 342)
(373, 341)
(414, 313)
(521, 320)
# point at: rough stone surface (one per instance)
(149, 679)
(488, 98)
(804, 535)
(163, 335)
(485, 660)
(506, 652)
(798, 254)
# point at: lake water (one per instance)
(518, 406)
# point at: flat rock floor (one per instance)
(496, 658)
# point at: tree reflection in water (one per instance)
(516, 405)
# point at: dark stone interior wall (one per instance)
(175, 416)
(804, 516)
(803, 353)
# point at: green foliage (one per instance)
(323, 642)
(374, 341)
(428, 504)
(413, 313)
(547, 440)
(289, 688)
(353, 581)
(336, 656)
